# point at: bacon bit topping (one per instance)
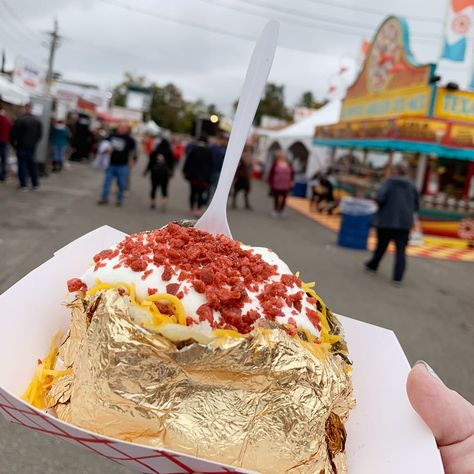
(76, 284)
(122, 291)
(189, 321)
(167, 273)
(172, 288)
(146, 274)
(313, 316)
(199, 286)
(138, 265)
(290, 280)
(152, 291)
(217, 268)
(164, 308)
(117, 266)
(205, 314)
(105, 254)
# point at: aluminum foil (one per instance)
(268, 402)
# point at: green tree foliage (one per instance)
(273, 103)
(307, 100)
(169, 109)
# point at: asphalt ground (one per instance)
(432, 313)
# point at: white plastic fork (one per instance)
(214, 220)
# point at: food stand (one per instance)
(395, 111)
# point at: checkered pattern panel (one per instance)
(142, 459)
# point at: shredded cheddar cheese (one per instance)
(44, 377)
(325, 336)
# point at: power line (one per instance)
(323, 18)
(23, 28)
(17, 45)
(219, 31)
(300, 22)
(173, 19)
(372, 11)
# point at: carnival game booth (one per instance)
(297, 141)
(395, 111)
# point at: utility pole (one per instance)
(54, 43)
(4, 60)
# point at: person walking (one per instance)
(398, 202)
(281, 181)
(160, 166)
(122, 157)
(197, 171)
(242, 178)
(25, 135)
(5, 129)
(218, 154)
(60, 136)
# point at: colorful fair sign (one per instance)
(454, 105)
(29, 76)
(458, 30)
(390, 84)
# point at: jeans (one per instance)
(58, 153)
(384, 236)
(3, 161)
(27, 167)
(120, 173)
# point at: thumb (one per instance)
(449, 416)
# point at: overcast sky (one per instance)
(204, 45)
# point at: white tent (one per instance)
(301, 135)
(12, 93)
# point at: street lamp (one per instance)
(214, 118)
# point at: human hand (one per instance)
(448, 415)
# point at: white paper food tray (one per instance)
(385, 435)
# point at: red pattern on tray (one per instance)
(143, 459)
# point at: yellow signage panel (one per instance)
(421, 129)
(408, 101)
(462, 135)
(454, 105)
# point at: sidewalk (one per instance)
(432, 247)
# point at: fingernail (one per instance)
(429, 369)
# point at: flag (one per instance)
(458, 30)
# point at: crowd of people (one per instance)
(115, 151)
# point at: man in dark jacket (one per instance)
(398, 201)
(24, 137)
(197, 170)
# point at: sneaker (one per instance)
(152, 205)
(396, 283)
(118, 204)
(102, 202)
(23, 189)
(35, 188)
(369, 270)
(274, 214)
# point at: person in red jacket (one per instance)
(5, 128)
(281, 181)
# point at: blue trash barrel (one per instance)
(356, 220)
(299, 189)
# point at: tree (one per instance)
(168, 108)
(307, 100)
(273, 103)
(119, 92)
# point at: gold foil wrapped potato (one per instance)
(196, 343)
